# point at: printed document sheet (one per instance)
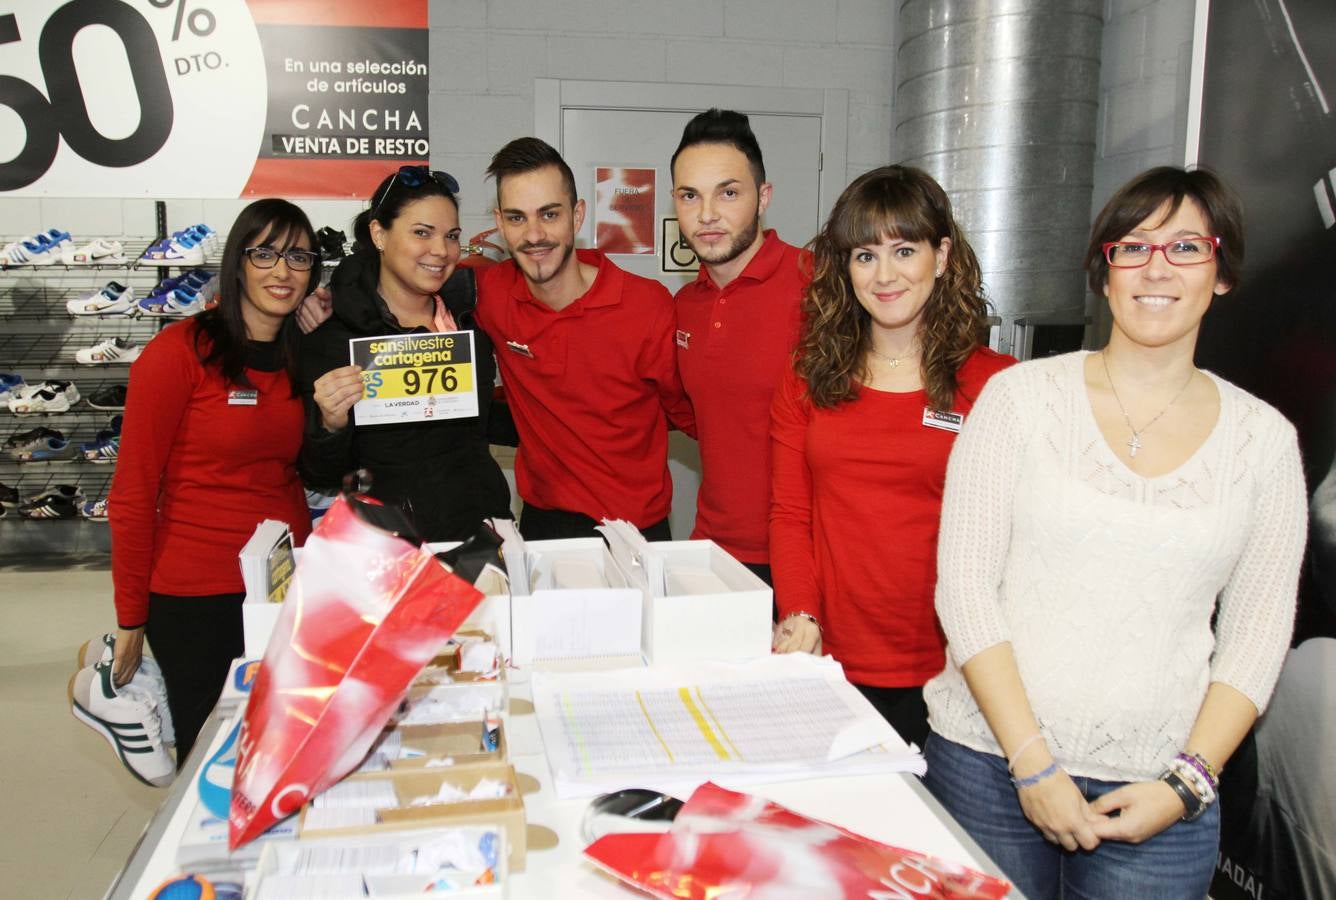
(776, 718)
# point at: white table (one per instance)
(895, 809)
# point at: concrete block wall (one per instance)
(485, 55)
(1144, 82)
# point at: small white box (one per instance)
(257, 624)
(579, 606)
(702, 604)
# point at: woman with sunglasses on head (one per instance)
(402, 278)
(888, 362)
(1120, 549)
(213, 427)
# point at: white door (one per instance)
(646, 139)
(597, 124)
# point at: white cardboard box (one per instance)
(579, 606)
(702, 604)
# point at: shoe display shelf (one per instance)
(38, 340)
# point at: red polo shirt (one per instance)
(733, 346)
(592, 388)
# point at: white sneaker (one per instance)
(113, 350)
(44, 397)
(102, 649)
(128, 718)
(40, 399)
(100, 252)
(110, 300)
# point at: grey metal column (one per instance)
(999, 99)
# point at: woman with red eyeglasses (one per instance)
(402, 278)
(1118, 561)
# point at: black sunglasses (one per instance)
(416, 176)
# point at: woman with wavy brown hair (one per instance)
(888, 364)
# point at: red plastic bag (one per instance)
(365, 612)
(726, 844)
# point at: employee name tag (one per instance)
(521, 349)
(683, 339)
(947, 421)
(243, 398)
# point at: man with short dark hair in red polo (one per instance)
(586, 356)
(737, 325)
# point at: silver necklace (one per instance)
(1135, 442)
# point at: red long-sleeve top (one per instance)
(854, 515)
(199, 468)
(592, 388)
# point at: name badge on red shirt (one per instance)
(521, 349)
(947, 421)
(683, 339)
(243, 398)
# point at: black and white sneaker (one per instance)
(128, 718)
(55, 502)
(110, 398)
(49, 507)
(9, 497)
(32, 435)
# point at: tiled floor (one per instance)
(71, 812)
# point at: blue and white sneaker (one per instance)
(128, 718)
(96, 511)
(176, 251)
(48, 450)
(10, 384)
(184, 250)
(103, 451)
(184, 302)
(30, 252)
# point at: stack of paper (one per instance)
(267, 562)
(777, 718)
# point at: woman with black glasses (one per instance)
(1119, 555)
(213, 427)
(400, 279)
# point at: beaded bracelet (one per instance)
(1194, 779)
(1032, 780)
(1211, 772)
(1201, 767)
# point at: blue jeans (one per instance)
(976, 789)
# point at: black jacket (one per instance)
(443, 471)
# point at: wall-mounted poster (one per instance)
(224, 98)
(624, 210)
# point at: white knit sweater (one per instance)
(1105, 582)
